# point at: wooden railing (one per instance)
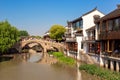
(109, 35)
(89, 38)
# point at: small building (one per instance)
(46, 36)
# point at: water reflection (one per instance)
(5, 58)
(64, 69)
(32, 71)
(79, 77)
(19, 69)
(35, 57)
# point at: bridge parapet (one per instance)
(45, 44)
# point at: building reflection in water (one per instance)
(79, 77)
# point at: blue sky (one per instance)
(37, 16)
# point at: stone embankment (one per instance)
(86, 58)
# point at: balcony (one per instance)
(109, 35)
(70, 39)
(89, 38)
(78, 32)
(68, 32)
(67, 35)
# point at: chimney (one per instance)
(118, 6)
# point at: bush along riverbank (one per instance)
(63, 59)
(104, 74)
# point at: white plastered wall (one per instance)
(88, 22)
(79, 39)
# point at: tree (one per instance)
(57, 32)
(23, 33)
(38, 37)
(8, 36)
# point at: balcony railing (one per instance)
(88, 38)
(109, 35)
(70, 39)
(68, 36)
(68, 32)
(78, 34)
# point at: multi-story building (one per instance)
(108, 35)
(81, 32)
(108, 29)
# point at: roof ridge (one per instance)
(90, 11)
(86, 14)
(113, 14)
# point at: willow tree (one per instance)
(57, 32)
(8, 36)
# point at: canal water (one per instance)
(19, 69)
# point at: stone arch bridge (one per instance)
(46, 45)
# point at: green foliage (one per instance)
(104, 74)
(57, 32)
(23, 33)
(67, 60)
(38, 37)
(50, 52)
(58, 54)
(8, 36)
(64, 59)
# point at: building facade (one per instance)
(108, 35)
(108, 29)
(80, 33)
(46, 36)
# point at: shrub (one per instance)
(103, 73)
(67, 60)
(64, 59)
(50, 52)
(58, 54)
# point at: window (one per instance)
(119, 22)
(104, 46)
(74, 26)
(77, 24)
(98, 27)
(117, 45)
(110, 25)
(81, 45)
(110, 45)
(81, 23)
(72, 46)
(116, 24)
(104, 26)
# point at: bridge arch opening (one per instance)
(53, 49)
(33, 45)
